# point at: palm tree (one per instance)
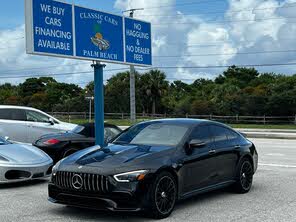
(154, 86)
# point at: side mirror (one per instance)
(51, 121)
(195, 143)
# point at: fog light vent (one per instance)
(17, 175)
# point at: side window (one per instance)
(12, 114)
(5, 114)
(220, 136)
(232, 135)
(202, 133)
(18, 114)
(33, 116)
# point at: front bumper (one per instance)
(119, 201)
(19, 173)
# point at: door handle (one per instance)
(212, 152)
(237, 147)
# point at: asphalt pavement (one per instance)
(272, 198)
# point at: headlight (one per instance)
(131, 176)
(56, 166)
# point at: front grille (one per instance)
(90, 182)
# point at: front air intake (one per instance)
(84, 182)
(17, 175)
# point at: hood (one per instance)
(120, 158)
(22, 154)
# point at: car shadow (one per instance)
(96, 215)
(23, 184)
(223, 193)
(87, 214)
(201, 198)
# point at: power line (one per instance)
(17, 38)
(213, 43)
(13, 47)
(45, 75)
(219, 54)
(160, 56)
(184, 4)
(57, 74)
(161, 67)
(220, 12)
(221, 66)
(43, 67)
(225, 21)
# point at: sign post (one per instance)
(55, 28)
(99, 103)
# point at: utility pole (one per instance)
(90, 98)
(132, 77)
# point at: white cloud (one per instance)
(205, 34)
(176, 33)
(14, 61)
(248, 26)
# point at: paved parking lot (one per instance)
(273, 197)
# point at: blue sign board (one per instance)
(53, 30)
(61, 29)
(98, 35)
(138, 42)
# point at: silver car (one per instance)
(26, 125)
(20, 162)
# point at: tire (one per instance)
(244, 177)
(161, 196)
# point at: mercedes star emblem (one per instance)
(77, 181)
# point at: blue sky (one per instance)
(190, 30)
(15, 12)
(12, 14)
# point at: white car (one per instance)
(24, 124)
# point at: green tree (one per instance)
(154, 86)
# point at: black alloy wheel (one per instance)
(244, 177)
(162, 196)
(165, 195)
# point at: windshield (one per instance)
(153, 133)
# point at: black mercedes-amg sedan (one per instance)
(153, 164)
(60, 145)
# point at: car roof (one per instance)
(92, 125)
(189, 122)
(17, 107)
(183, 121)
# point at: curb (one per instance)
(269, 135)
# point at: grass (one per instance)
(125, 122)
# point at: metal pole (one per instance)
(132, 94)
(99, 103)
(90, 110)
(132, 87)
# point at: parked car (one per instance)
(21, 162)
(153, 164)
(24, 124)
(58, 146)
